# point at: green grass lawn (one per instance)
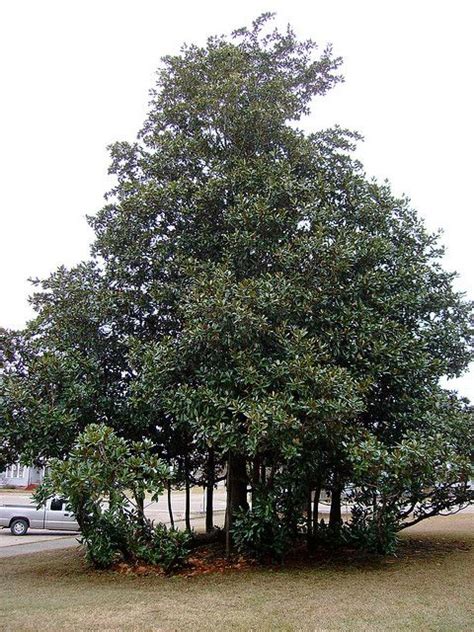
(427, 587)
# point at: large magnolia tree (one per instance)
(256, 306)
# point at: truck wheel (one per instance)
(19, 527)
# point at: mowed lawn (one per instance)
(427, 587)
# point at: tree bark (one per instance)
(140, 503)
(210, 492)
(335, 515)
(187, 509)
(238, 483)
(236, 492)
(317, 494)
(228, 518)
(255, 479)
(309, 517)
(170, 508)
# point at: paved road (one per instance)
(35, 545)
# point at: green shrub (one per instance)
(104, 478)
(165, 547)
(100, 548)
(260, 532)
(375, 533)
(107, 537)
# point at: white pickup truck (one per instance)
(54, 516)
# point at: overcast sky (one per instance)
(74, 77)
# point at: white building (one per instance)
(17, 475)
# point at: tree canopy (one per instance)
(255, 305)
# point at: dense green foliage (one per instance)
(262, 532)
(105, 480)
(256, 306)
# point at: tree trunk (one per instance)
(255, 479)
(170, 508)
(140, 503)
(187, 509)
(210, 493)
(236, 492)
(309, 517)
(335, 515)
(238, 483)
(228, 504)
(317, 494)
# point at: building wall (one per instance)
(17, 475)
